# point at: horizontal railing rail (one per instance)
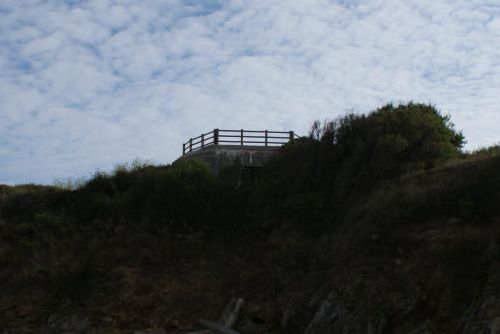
(265, 138)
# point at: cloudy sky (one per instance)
(85, 85)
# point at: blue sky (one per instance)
(85, 85)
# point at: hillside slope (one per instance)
(356, 229)
(416, 255)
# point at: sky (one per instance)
(86, 85)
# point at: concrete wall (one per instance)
(218, 157)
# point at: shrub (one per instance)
(351, 154)
(166, 198)
(393, 140)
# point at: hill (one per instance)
(375, 223)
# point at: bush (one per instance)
(486, 152)
(352, 154)
(393, 140)
(171, 198)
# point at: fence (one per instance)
(241, 137)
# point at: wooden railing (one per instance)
(241, 137)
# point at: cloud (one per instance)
(88, 84)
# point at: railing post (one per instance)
(241, 138)
(190, 144)
(183, 148)
(216, 136)
(291, 136)
(265, 138)
(202, 140)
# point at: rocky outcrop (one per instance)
(432, 291)
(487, 317)
(67, 324)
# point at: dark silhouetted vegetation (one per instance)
(348, 192)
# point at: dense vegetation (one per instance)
(351, 179)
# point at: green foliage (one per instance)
(312, 178)
(182, 197)
(392, 140)
(486, 152)
(353, 154)
(466, 193)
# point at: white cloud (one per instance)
(85, 85)
(494, 25)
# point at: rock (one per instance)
(295, 318)
(151, 331)
(26, 310)
(495, 326)
(377, 326)
(323, 321)
(250, 326)
(487, 318)
(67, 324)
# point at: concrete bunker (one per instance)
(220, 149)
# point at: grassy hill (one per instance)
(375, 223)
